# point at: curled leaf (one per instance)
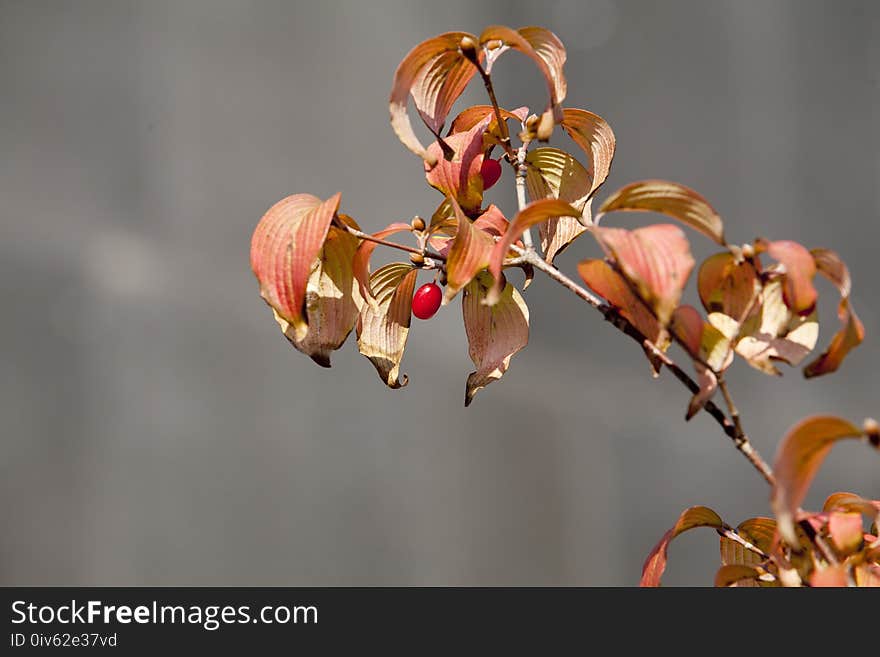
(284, 247)
(383, 325)
(361, 261)
(671, 199)
(473, 115)
(737, 575)
(728, 286)
(547, 51)
(800, 268)
(655, 564)
(532, 214)
(709, 348)
(593, 134)
(800, 454)
(468, 254)
(845, 530)
(459, 176)
(495, 333)
(435, 73)
(331, 300)
(758, 532)
(852, 332)
(656, 260)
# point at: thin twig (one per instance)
(502, 124)
(731, 407)
(394, 245)
(740, 440)
(729, 532)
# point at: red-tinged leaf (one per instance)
(331, 300)
(471, 116)
(361, 261)
(383, 326)
(850, 502)
(492, 221)
(459, 177)
(435, 73)
(495, 333)
(867, 575)
(547, 52)
(671, 199)
(846, 531)
(800, 454)
(655, 564)
(284, 247)
(532, 214)
(656, 260)
(609, 285)
(800, 268)
(709, 348)
(852, 332)
(593, 134)
(739, 575)
(468, 254)
(829, 576)
(553, 173)
(728, 286)
(773, 334)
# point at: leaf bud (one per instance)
(417, 259)
(468, 48)
(418, 224)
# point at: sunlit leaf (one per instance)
(459, 176)
(867, 575)
(471, 116)
(361, 261)
(593, 134)
(800, 268)
(468, 254)
(655, 259)
(759, 532)
(800, 454)
(284, 247)
(383, 325)
(435, 73)
(737, 575)
(331, 300)
(671, 199)
(829, 576)
(655, 564)
(495, 333)
(709, 348)
(850, 502)
(547, 51)
(852, 332)
(775, 333)
(728, 286)
(846, 531)
(553, 173)
(532, 214)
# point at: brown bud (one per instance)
(872, 431)
(417, 259)
(748, 251)
(493, 44)
(468, 48)
(443, 277)
(418, 224)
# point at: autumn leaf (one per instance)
(737, 575)
(846, 532)
(284, 247)
(759, 532)
(546, 50)
(852, 332)
(829, 576)
(656, 260)
(671, 199)
(800, 268)
(383, 326)
(495, 333)
(728, 286)
(459, 176)
(331, 300)
(850, 502)
(434, 73)
(655, 564)
(593, 134)
(800, 454)
(361, 260)
(468, 254)
(532, 214)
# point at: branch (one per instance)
(729, 532)
(521, 172)
(502, 124)
(740, 440)
(394, 245)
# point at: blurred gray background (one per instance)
(158, 429)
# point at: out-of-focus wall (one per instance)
(156, 427)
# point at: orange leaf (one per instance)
(383, 326)
(867, 575)
(468, 254)
(829, 576)
(671, 199)
(846, 531)
(800, 454)
(737, 575)
(547, 51)
(532, 214)
(759, 532)
(850, 502)
(361, 262)
(495, 333)
(471, 116)
(656, 260)
(727, 286)
(593, 134)
(284, 246)
(459, 176)
(492, 221)
(435, 73)
(655, 564)
(800, 268)
(852, 332)
(709, 348)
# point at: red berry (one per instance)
(426, 301)
(491, 172)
